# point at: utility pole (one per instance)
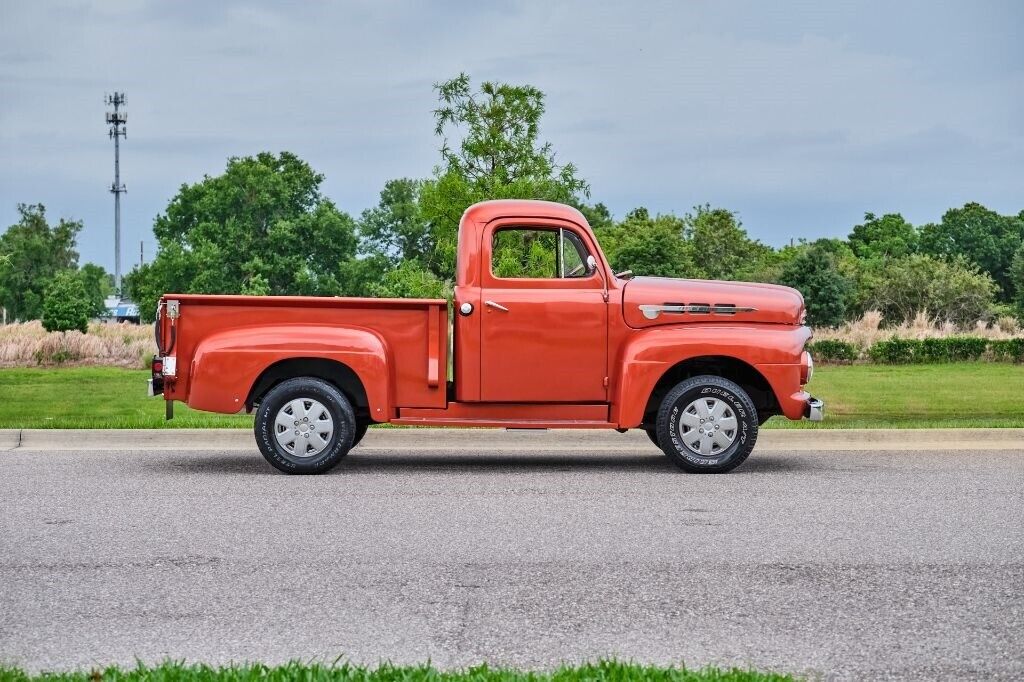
(117, 119)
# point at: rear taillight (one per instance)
(156, 381)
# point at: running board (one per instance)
(514, 424)
(509, 416)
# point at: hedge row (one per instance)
(896, 351)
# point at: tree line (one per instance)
(264, 227)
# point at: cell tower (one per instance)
(117, 119)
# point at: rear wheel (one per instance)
(707, 424)
(304, 426)
(652, 433)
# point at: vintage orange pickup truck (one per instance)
(544, 335)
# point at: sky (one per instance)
(800, 116)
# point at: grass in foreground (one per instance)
(969, 394)
(603, 671)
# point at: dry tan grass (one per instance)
(27, 344)
(868, 330)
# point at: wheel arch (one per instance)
(728, 367)
(232, 369)
(334, 372)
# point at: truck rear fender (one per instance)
(763, 359)
(232, 369)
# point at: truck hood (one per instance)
(651, 301)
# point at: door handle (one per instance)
(498, 306)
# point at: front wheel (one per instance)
(707, 425)
(361, 426)
(304, 426)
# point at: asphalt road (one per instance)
(525, 552)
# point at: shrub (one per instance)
(831, 350)
(66, 304)
(894, 351)
(1008, 350)
(951, 349)
(904, 287)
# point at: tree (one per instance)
(815, 272)
(66, 304)
(98, 285)
(982, 236)
(887, 237)
(498, 156)
(720, 246)
(954, 290)
(34, 252)
(396, 228)
(649, 246)
(410, 280)
(261, 227)
(1017, 280)
(598, 216)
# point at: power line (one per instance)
(117, 119)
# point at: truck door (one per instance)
(544, 318)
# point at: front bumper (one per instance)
(815, 410)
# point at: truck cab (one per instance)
(543, 335)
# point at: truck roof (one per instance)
(486, 211)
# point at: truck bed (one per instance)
(414, 332)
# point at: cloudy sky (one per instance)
(799, 115)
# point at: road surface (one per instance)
(520, 549)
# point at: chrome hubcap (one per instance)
(707, 426)
(303, 427)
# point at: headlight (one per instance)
(806, 368)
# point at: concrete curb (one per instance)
(428, 439)
(10, 438)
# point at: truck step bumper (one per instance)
(815, 410)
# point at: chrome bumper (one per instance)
(815, 410)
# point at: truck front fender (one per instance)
(226, 365)
(773, 351)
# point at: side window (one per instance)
(531, 253)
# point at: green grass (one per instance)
(93, 398)
(604, 671)
(969, 394)
(954, 395)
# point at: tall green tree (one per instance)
(982, 236)
(887, 237)
(649, 246)
(262, 227)
(98, 285)
(490, 149)
(815, 271)
(395, 228)
(34, 252)
(720, 246)
(1017, 280)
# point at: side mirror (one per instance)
(591, 263)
